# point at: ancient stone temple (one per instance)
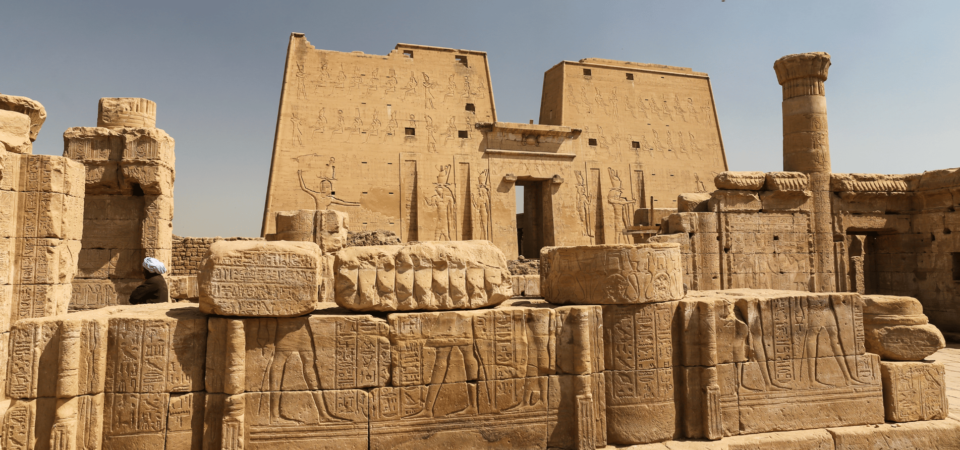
(776, 311)
(410, 142)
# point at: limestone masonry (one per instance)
(646, 297)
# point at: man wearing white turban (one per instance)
(154, 287)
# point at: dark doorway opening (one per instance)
(862, 263)
(535, 220)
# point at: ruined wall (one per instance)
(128, 208)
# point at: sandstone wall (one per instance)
(187, 252)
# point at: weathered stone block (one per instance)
(23, 105)
(15, 132)
(126, 112)
(183, 287)
(611, 274)
(331, 232)
(100, 293)
(783, 201)
(896, 329)
(152, 178)
(914, 391)
(693, 202)
(735, 201)
(423, 275)
(786, 181)
(260, 279)
(747, 181)
(938, 434)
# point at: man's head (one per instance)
(153, 265)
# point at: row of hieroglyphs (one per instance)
(457, 87)
(376, 126)
(663, 143)
(675, 108)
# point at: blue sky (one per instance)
(215, 71)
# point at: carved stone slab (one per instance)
(422, 276)
(914, 391)
(260, 279)
(896, 329)
(611, 274)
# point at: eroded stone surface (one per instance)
(896, 329)
(260, 279)
(611, 274)
(745, 181)
(914, 391)
(424, 275)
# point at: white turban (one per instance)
(154, 265)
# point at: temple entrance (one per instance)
(861, 264)
(534, 216)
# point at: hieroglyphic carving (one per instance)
(444, 201)
(320, 186)
(454, 275)
(585, 204)
(622, 212)
(914, 391)
(612, 274)
(255, 278)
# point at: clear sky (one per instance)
(215, 71)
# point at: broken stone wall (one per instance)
(128, 209)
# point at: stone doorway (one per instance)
(862, 263)
(535, 221)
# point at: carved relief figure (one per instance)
(451, 132)
(467, 93)
(693, 144)
(375, 124)
(392, 124)
(411, 86)
(321, 124)
(445, 203)
(621, 210)
(301, 86)
(584, 204)
(701, 187)
(324, 76)
(678, 108)
(357, 123)
(374, 80)
(481, 203)
(642, 108)
(391, 85)
(357, 78)
(683, 145)
(341, 78)
(601, 105)
(481, 88)
(628, 105)
(692, 109)
(584, 100)
(340, 124)
(656, 142)
(320, 187)
(431, 137)
(297, 132)
(451, 87)
(428, 91)
(615, 103)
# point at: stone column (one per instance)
(806, 147)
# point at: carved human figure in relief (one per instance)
(411, 87)
(601, 104)
(584, 204)
(341, 78)
(467, 93)
(431, 137)
(621, 210)
(392, 124)
(374, 82)
(451, 91)
(642, 107)
(340, 124)
(682, 144)
(356, 80)
(481, 203)
(301, 84)
(445, 203)
(297, 132)
(615, 103)
(320, 186)
(678, 108)
(321, 124)
(584, 100)
(391, 84)
(428, 91)
(375, 124)
(451, 132)
(660, 281)
(700, 186)
(324, 76)
(692, 110)
(357, 123)
(481, 88)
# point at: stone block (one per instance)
(641, 406)
(872, 182)
(914, 391)
(260, 279)
(113, 263)
(896, 329)
(27, 424)
(693, 202)
(154, 179)
(120, 234)
(331, 233)
(148, 145)
(611, 274)
(103, 178)
(99, 293)
(135, 420)
(126, 112)
(337, 419)
(39, 300)
(938, 434)
(154, 348)
(185, 414)
(735, 201)
(15, 132)
(158, 207)
(785, 201)
(641, 337)
(157, 234)
(786, 181)
(23, 105)
(745, 181)
(329, 352)
(423, 275)
(183, 287)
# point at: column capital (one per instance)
(802, 73)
